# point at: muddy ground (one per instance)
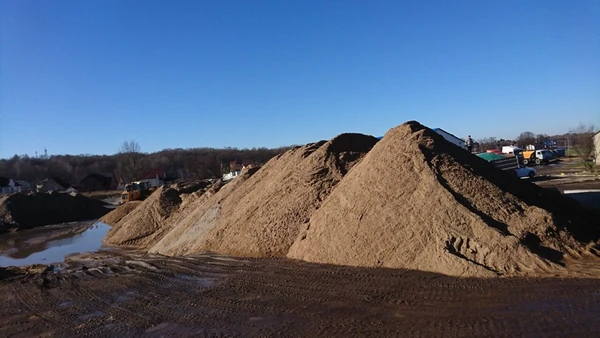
(568, 182)
(126, 294)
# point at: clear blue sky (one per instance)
(84, 76)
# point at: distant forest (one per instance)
(199, 163)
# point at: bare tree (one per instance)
(526, 138)
(488, 143)
(541, 138)
(130, 161)
(583, 143)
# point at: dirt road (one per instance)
(110, 294)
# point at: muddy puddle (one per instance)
(51, 244)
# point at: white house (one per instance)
(8, 186)
(231, 175)
(451, 138)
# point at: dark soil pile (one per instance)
(19, 211)
(418, 202)
(261, 214)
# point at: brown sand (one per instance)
(113, 217)
(147, 221)
(418, 202)
(142, 224)
(19, 211)
(262, 214)
(414, 201)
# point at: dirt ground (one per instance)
(567, 166)
(568, 182)
(126, 294)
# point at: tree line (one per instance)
(130, 163)
(201, 163)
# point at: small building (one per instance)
(457, 141)
(9, 186)
(52, 184)
(231, 175)
(24, 185)
(71, 190)
(597, 147)
(95, 182)
(154, 177)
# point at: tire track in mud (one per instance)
(220, 296)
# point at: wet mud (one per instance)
(132, 294)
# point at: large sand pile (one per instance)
(262, 214)
(144, 223)
(418, 202)
(19, 211)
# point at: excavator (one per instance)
(136, 191)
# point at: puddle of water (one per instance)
(47, 245)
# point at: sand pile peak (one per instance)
(20, 211)
(261, 214)
(147, 222)
(416, 201)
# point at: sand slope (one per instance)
(113, 217)
(143, 224)
(262, 214)
(418, 202)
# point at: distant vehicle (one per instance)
(511, 150)
(136, 191)
(537, 156)
(525, 172)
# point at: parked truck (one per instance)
(536, 156)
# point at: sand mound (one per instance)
(418, 202)
(261, 214)
(19, 211)
(113, 217)
(142, 224)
